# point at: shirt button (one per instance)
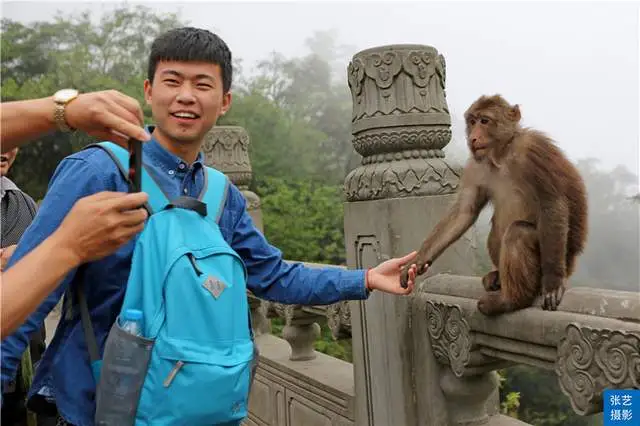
(181, 166)
(184, 190)
(171, 172)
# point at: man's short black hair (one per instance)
(192, 44)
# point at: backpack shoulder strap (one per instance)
(214, 194)
(157, 199)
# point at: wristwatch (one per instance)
(61, 98)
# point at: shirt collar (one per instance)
(166, 159)
(6, 184)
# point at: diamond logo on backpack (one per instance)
(214, 285)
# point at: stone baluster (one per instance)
(400, 125)
(226, 148)
(301, 328)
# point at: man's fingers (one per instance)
(131, 105)
(126, 201)
(133, 217)
(406, 258)
(103, 195)
(110, 135)
(118, 105)
(113, 122)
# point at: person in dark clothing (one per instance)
(18, 211)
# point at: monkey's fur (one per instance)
(539, 224)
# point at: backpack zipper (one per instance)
(192, 259)
(172, 374)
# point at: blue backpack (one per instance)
(196, 358)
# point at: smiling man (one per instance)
(188, 89)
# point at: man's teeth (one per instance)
(184, 115)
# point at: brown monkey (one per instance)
(539, 224)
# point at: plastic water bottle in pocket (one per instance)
(131, 322)
(124, 367)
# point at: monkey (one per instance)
(539, 223)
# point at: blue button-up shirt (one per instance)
(64, 371)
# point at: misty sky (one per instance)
(572, 67)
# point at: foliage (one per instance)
(541, 401)
(72, 51)
(304, 219)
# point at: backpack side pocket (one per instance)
(124, 368)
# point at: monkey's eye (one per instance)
(484, 120)
(472, 122)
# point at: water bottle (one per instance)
(131, 321)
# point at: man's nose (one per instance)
(185, 95)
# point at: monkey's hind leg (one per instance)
(491, 281)
(519, 271)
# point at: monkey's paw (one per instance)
(553, 288)
(404, 276)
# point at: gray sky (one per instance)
(572, 66)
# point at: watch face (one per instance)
(65, 95)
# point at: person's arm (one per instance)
(96, 226)
(271, 278)
(75, 177)
(106, 115)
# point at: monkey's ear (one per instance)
(515, 113)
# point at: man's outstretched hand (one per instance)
(386, 276)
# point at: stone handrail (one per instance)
(302, 322)
(295, 385)
(592, 341)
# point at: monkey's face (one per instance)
(480, 131)
(491, 124)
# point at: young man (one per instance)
(189, 79)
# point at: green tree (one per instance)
(309, 90)
(304, 219)
(72, 51)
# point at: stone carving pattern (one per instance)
(339, 320)
(372, 77)
(450, 335)
(227, 149)
(591, 360)
(401, 178)
(383, 140)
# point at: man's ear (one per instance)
(147, 91)
(226, 103)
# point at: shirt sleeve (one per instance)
(73, 179)
(272, 278)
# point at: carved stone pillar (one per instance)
(400, 125)
(226, 148)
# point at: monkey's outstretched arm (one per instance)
(471, 200)
(459, 219)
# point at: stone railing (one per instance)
(296, 385)
(592, 343)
